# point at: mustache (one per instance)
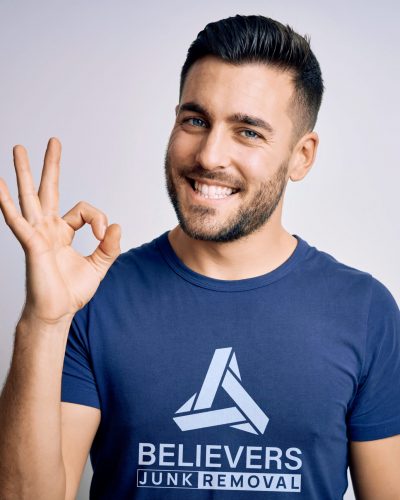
(199, 173)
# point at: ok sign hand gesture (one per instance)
(59, 280)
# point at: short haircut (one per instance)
(258, 39)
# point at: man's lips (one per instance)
(198, 196)
(211, 182)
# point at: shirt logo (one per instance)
(223, 372)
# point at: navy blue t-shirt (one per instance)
(222, 389)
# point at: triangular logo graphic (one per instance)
(223, 372)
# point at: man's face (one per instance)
(232, 130)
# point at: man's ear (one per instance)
(303, 156)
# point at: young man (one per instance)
(226, 354)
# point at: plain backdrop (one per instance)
(103, 78)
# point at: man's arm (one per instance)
(44, 444)
(31, 464)
(36, 434)
(375, 468)
(79, 425)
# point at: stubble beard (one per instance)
(251, 215)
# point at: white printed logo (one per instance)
(246, 415)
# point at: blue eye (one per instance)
(196, 122)
(252, 134)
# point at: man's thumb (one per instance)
(107, 250)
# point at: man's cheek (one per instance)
(184, 145)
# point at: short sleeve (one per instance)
(78, 383)
(375, 411)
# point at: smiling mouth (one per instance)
(213, 192)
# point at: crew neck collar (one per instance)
(221, 285)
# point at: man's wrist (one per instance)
(29, 323)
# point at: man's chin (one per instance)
(198, 233)
(215, 235)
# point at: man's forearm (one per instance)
(31, 463)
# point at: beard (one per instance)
(199, 221)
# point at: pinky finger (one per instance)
(14, 220)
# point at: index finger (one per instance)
(48, 188)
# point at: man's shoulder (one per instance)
(341, 277)
(332, 267)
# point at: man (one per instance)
(224, 355)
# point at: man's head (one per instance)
(249, 98)
(258, 39)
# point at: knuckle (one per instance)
(84, 205)
(11, 220)
(99, 215)
(8, 220)
(95, 213)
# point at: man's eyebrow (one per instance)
(195, 107)
(244, 118)
(251, 120)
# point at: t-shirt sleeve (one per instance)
(375, 411)
(78, 384)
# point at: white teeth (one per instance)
(213, 192)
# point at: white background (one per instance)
(103, 77)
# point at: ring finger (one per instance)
(27, 195)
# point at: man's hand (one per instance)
(59, 280)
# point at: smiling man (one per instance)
(226, 357)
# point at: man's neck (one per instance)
(259, 253)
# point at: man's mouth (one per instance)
(211, 191)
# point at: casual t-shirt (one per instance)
(225, 389)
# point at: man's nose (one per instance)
(213, 150)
